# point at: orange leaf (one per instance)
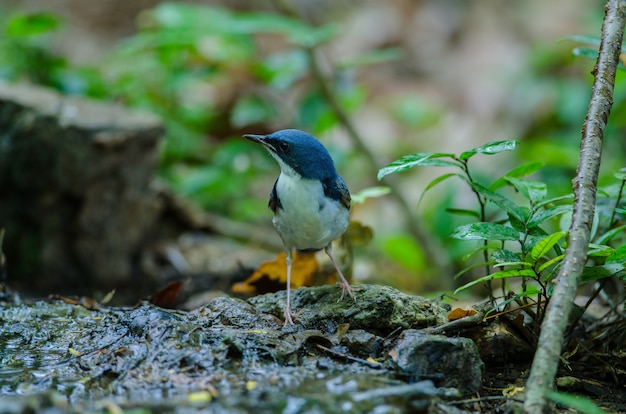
(459, 313)
(271, 276)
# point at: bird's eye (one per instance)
(284, 146)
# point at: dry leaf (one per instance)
(459, 313)
(170, 296)
(271, 276)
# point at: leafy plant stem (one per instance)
(482, 202)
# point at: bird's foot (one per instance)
(288, 315)
(345, 287)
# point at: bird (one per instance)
(310, 200)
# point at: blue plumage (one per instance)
(310, 201)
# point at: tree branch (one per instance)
(546, 359)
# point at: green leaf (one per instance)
(517, 224)
(534, 191)
(436, 181)
(463, 212)
(610, 235)
(370, 192)
(618, 256)
(591, 273)
(544, 245)
(435, 162)
(521, 171)
(212, 20)
(489, 149)
(596, 250)
(23, 25)
(585, 52)
(484, 231)
(504, 256)
(504, 274)
(550, 262)
(502, 202)
(592, 54)
(518, 263)
(554, 200)
(413, 160)
(577, 402)
(540, 216)
(590, 40)
(621, 174)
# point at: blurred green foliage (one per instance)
(522, 232)
(212, 73)
(204, 70)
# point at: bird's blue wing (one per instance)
(337, 190)
(274, 203)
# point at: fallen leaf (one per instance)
(107, 298)
(459, 313)
(199, 397)
(271, 276)
(170, 295)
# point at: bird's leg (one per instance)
(288, 313)
(345, 286)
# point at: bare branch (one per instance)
(551, 339)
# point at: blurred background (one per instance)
(372, 80)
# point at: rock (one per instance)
(500, 343)
(377, 309)
(75, 189)
(448, 362)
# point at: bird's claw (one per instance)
(345, 287)
(288, 317)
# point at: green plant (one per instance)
(207, 73)
(26, 54)
(519, 236)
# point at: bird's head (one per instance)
(299, 152)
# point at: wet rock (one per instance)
(448, 362)
(362, 343)
(499, 343)
(227, 356)
(232, 312)
(377, 309)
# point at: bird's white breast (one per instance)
(308, 219)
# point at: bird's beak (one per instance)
(260, 139)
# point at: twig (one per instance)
(550, 343)
(349, 357)
(424, 388)
(462, 323)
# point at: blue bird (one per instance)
(310, 201)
